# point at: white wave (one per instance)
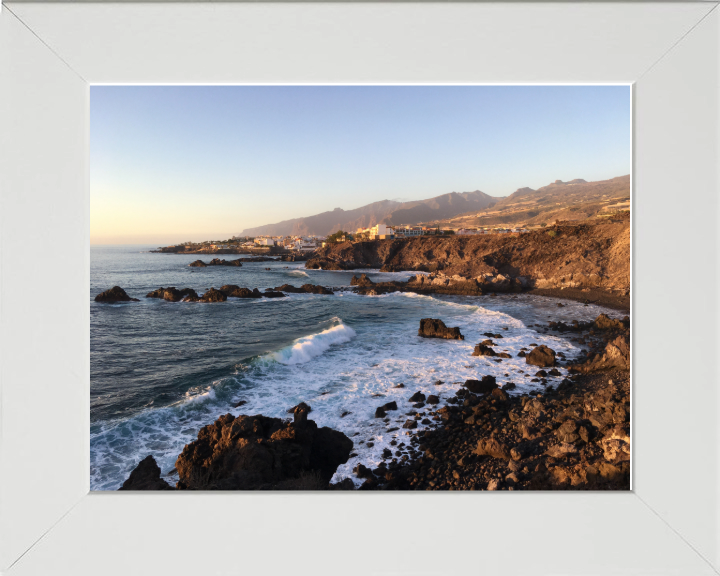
(306, 348)
(208, 394)
(298, 273)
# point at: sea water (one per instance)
(161, 370)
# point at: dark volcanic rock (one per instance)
(172, 294)
(604, 322)
(257, 452)
(616, 355)
(541, 356)
(146, 476)
(218, 262)
(363, 280)
(215, 262)
(417, 397)
(304, 289)
(246, 293)
(390, 406)
(433, 328)
(213, 295)
(483, 350)
(115, 294)
(272, 294)
(487, 384)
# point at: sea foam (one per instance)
(306, 348)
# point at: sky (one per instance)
(189, 163)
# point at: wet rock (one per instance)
(483, 350)
(245, 293)
(241, 403)
(272, 294)
(417, 397)
(213, 295)
(484, 386)
(604, 322)
(172, 294)
(434, 328)
(363, 280)
(390, 406)
(304, 289)
(432, 399)
(344, 484)
(257, 452)
(197, 264)
(146, 476)
(541, 356)
(379, 412)
(115, 294)
(410, 424)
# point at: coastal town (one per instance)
(307, 244)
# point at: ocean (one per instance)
(160, 370)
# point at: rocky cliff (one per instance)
(590, 254)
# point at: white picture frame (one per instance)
(49, 522)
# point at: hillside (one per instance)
(574, 200)
(589, 254)
(385, 211)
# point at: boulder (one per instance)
(228, 289)
(198, 264)
(172, 294)
(616, 355)
(272, 294)
(484, 386)
(390, 406)
(115, 294)
(363, 280)
(433, 399)
(492, 447)
(417, 397)
(604, 322)
(213, 295)
(541, 356)
(258, 452)
(245, 293)
(146, 476)
(483, 350)
(304, 289)
(434, 328)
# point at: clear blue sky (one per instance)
(176, 163)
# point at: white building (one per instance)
(264, 241)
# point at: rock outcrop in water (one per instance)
(541, 356)
(434, 328)
(261, 453)
(219, 262)
(172, 294)
(211, 295)
(115, 294)
(304, 289)
(146, 476)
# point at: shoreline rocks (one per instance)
(219, 262)
(146, 476)
(304, 289)
(115, 294)
(262, 453)
(172, 294)
(434, 328)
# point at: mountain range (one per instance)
(387, 212)
(573, 200)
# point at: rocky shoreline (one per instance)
(574, 434)
(585, 261)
